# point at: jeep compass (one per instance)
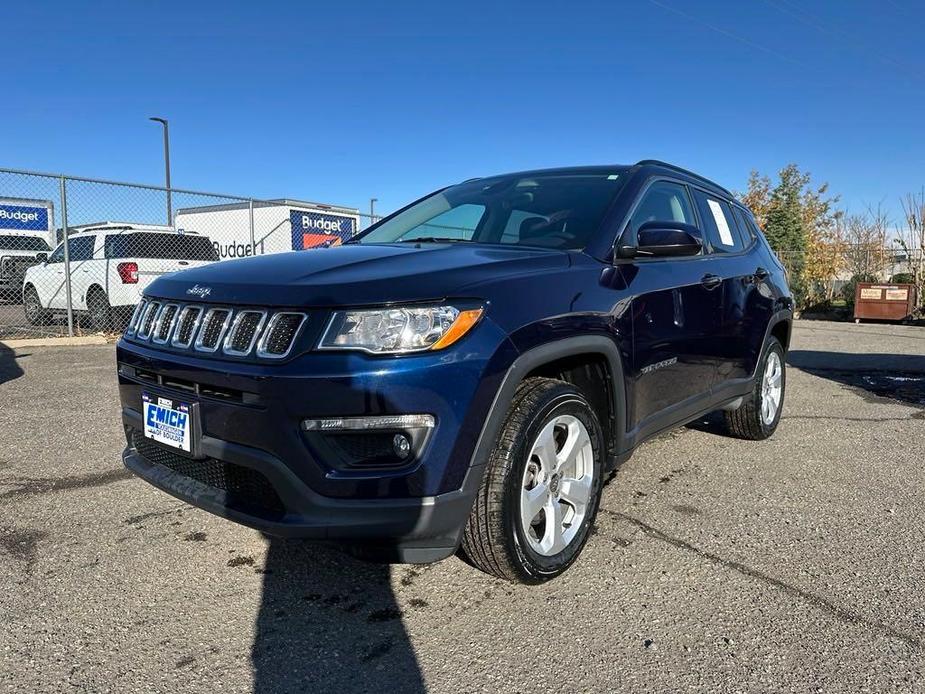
(462, 376)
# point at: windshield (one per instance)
(33, 244)
(153, 245)
(551, 210)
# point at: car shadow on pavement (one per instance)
(897, 376)
(9, 367)
(329, 622)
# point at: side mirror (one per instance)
(661, 239)
(41, 257)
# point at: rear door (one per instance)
(733, 261)
(676, 311)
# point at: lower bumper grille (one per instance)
(246, 490)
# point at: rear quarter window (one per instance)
(164, 246)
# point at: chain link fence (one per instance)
(76, 253)
(831, 274)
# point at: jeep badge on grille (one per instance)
(201, 292)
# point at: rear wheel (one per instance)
(99, 310)
(32, 306)
(759, 415)
(537, 503)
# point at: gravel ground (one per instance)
(719, 565)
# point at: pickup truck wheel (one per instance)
(99, 309)
(759, 415)
(32, 307)
(538, 500)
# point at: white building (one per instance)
(277, 226)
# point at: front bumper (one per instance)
(414, 530)
(253, 446)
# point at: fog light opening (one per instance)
(401, 444)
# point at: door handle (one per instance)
(710, 281)
(761, 274)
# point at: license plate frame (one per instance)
(171, 422)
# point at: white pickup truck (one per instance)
(110, 266)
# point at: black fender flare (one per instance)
(781, 316)
(542, 354)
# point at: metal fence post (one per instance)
(67, 259)
(250, 211)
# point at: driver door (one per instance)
(676, 317)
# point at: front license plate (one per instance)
(167, 421)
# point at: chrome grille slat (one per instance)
(214, 325)
(244, 332)
(165, 323)
(217, 329)
(147, 321)
(280, 335)
(136, 315)
(187, 324)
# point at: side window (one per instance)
(718, 224)
(456, 223)
(663, 202)
(58, 255)
(80, 248)
(745, 229)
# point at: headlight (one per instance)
(399, 330)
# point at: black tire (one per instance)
(494, 539)
(32, 307)
(99, 310)
(747, 421)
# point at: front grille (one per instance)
(246, 490)
(236, 333)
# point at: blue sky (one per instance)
(340, 102)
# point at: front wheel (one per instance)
(99, 310)
(32, 307)
(759, 414)
(540, 495)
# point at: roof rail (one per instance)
(673, 167)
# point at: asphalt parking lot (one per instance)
(794, 564)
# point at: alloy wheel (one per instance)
(557, 483)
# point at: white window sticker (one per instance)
(725, 235)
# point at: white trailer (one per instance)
(278, 226)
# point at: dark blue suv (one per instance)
(463, 375)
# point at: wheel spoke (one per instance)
(553, 542)
(577, 492)
(575, 444)
(531, 503)
(545, 449)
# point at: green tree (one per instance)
(799, 221)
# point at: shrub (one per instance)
(848, 290)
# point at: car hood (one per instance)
(356, 274)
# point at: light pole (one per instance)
(372, 210)
(163, 121)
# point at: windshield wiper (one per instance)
(433, 239)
